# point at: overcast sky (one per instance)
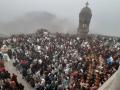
(106, 13)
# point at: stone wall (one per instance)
(108, 83)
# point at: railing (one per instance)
(107, 84)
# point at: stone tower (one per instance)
(84, 21)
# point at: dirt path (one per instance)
(11, 69)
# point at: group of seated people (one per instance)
(55, 61)
(8, 82)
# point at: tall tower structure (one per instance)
(84, 21)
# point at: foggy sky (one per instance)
(105, 19)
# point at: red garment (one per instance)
(75, 74)
(2, 69)
(24, 62)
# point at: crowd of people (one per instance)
(8, 82)
(55, 61)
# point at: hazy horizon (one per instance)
(105, 19)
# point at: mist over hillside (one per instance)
(30, 22)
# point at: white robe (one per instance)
(6, 57)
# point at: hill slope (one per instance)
(36, 20)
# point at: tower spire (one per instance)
(87, 4)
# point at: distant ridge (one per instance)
(32, 21)
(2, 35)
